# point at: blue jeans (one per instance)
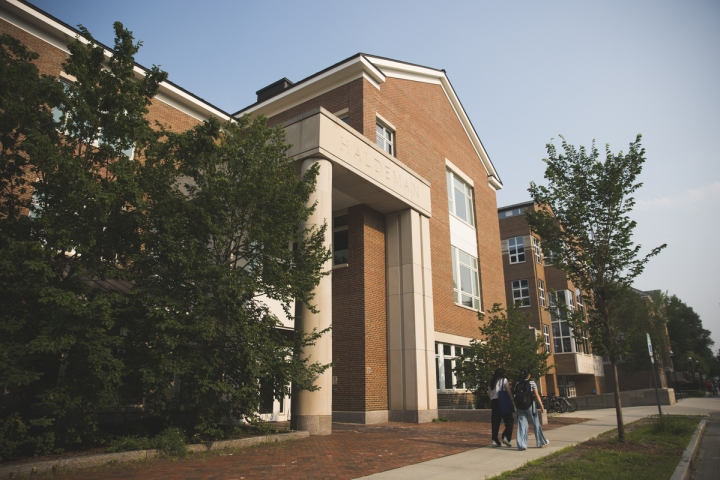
(522, 431)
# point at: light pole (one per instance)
(692, 372)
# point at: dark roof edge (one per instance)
(523, 204)
(79, 33)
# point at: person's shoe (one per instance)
(495, 444)
(543, 446)
(522, 449)
(506, 442)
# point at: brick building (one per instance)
(410, 194)
(529, 284)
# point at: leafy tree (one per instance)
(63, 161)
(224, 206)
(584, 223)
(688, 337)
(507, 343)
(644, 313)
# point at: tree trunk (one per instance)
(618, 406)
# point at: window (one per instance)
(546, 336)
(521, 293)
(465, 279)
(516, 248)
(549, 258)
(562, 333)
(536, 250)
(541, 292)
(512, 213)
(460, 201)
(385, 138)
(340, 240)
(444, 364)
(343, 115)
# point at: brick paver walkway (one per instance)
(351, 451)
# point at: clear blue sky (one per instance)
(524, 71)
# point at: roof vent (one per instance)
(273, 89)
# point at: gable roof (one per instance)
(375, 70)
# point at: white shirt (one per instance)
(499, 385)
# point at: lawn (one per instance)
(652, 451)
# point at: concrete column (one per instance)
(412, 390)
(312, 411)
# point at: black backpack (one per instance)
(523, 395)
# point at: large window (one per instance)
(385, 138)
(340, 240)
(537, 252)
(512, 213)
(521, 293)
(466, 283)
(460, 200)
(444, 364)
(541, 292)
(561, 331)
(516, 249)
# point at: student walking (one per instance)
(499, 384)
(527, 400)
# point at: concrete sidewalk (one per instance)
(487, 462)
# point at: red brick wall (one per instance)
(52, 58)
(428, 132)
(346, 96)
(359, 316)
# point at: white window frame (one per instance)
(443, 360)
(385, 137)
(516, 249)
(537, 250)
(457, 186)
(521, 293)
(457, 265)
(546, 336)
(541, 292)
(563, 337)
(512, 213)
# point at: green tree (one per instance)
(584, 223)
(507, 342)
(688, 337)
(64, 161)
(221, 236)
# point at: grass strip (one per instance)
(652, 451)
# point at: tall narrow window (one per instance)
(340, 240)
(541, 292)
(521, 293)
(385, 138)
(546, 336)
(536, 250)
(516, 249)
(460, 201)
(562, 333)
(465, 279)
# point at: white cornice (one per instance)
(352, 69)
(375, 70)
(405, 71)
(55, 33)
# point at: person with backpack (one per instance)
(502, 407)
(527, 400)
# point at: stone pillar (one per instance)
(412, 390)
(312, 411)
